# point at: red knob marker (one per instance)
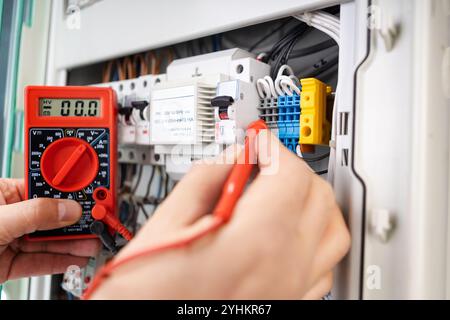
(103, 211)
(69, 164)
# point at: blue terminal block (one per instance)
(289, 120)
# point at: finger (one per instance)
(197, 230)
(80, 248)
(199, 190)
(37, 264)
(321, 288)
(333, 246)
(279, 168)
(37, 214)
(11, 191)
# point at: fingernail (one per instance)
(68, 210)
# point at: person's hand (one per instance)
(284, 239)
(21, 258)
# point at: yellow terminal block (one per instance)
(314, 126)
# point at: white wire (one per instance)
(294, 87)
(286, 86)
(269, 81)
(324, 29)
(325, 24)
(284, 68)
(322, 22)
(261, 55)
(333, 35)
(278, 88)
(266, 88)
(295, 79)
(329, 18)
(263, 89)
(283, 84)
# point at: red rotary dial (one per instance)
(69, 164)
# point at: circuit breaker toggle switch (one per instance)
(223, 103)
(69, 164)
(140, 105)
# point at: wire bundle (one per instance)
(283, 84)
(279, 54)
(137, 65)
(330, 25)
(322, 21)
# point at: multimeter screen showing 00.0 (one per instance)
(69, 107)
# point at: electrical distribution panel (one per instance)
(390, 58)
(168, 119)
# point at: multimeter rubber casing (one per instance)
(68, 156)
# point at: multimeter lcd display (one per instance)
(69, 107)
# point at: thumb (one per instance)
(37, 214)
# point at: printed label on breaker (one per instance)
(173, 116)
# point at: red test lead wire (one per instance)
(232, 190)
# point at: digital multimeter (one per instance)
(70, 150)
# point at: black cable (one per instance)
(150, 182)
(318, 158)
(158, 199)
(176, 52)
(141, 205)
(280, 52)
(290, 48)
(133, 191)
(201, 46)
(122, 176)
(321, 172)
(333, 10)
(132, 221)
(166, 185)
(190, 49)
(132, 216)
(280, 43)
(312, 49)
(268, 35)
(160, 185)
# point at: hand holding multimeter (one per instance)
(70, 153)
(19, 216)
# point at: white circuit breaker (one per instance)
(184, 126)
(133, 98)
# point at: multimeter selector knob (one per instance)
(69, 164)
